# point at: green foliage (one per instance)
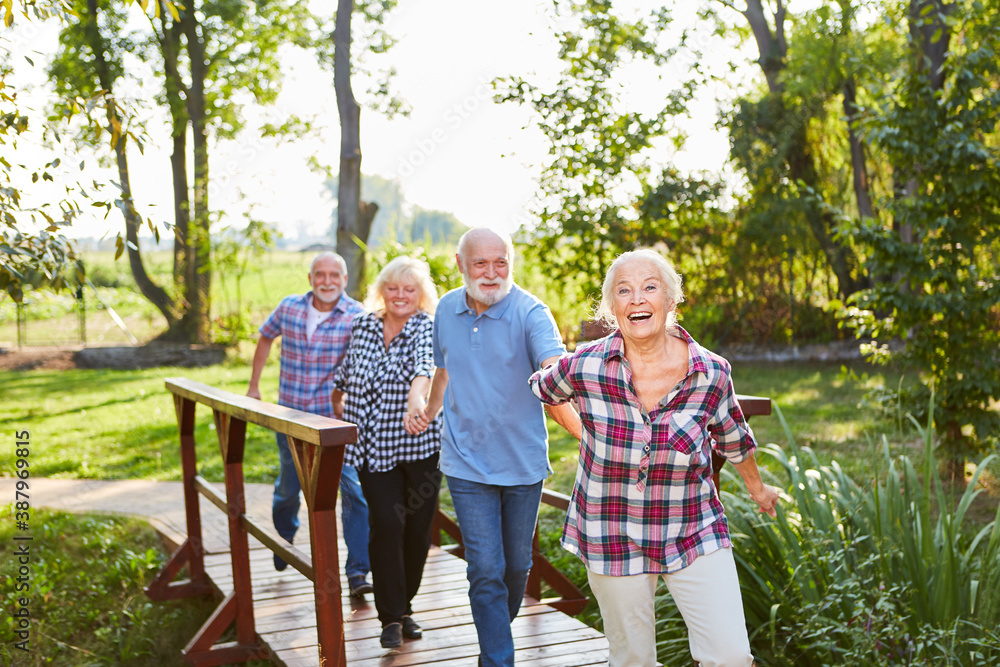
(941, 281)
(881, 575)
(86, 601)
(440, 259)
(33, 247)
(234, 253)
(600, 145)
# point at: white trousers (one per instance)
(707, 593)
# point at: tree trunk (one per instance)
(199, 273)
(354, 217)
(772, 48)
(862, 192)
(175, 90)
(150, 290)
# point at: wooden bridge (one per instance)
(302, 616)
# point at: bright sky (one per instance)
(457, 151)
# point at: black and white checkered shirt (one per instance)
(377, 382)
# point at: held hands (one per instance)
(415, 420)
(767, 499)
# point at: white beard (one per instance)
(327, 295)
(488, 298)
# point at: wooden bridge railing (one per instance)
(317, 447)
(572, 601)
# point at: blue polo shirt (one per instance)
(494, 427)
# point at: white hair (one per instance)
(477, 233)
(605, 312)
(329, 255)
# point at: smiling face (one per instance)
(327, 279)
(641, 301)
(485, 267)
(402, 299)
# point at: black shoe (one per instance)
(279, 564)
(410, 629)
(358, 586)
(392, 636)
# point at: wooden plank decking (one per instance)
(286, 621)
(283, 601)
(285, 618)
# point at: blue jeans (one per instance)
(498, 523)
(353, 509)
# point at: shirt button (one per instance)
(475, 328)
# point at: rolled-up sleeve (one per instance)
(423, 350)
(552, 385)
(731, 434)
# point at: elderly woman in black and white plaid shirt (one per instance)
(389, 363)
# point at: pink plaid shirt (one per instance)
(643, 501)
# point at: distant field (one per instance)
(54, 318)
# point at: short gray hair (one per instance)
(328, 254)
(483, 231)
(605, 312)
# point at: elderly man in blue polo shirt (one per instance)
(489, 337)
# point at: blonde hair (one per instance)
(605, 312)
(403, 270)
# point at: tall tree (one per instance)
(785, 120)
(210, 55)
(939, 126)
(600, 144)
(354, 217)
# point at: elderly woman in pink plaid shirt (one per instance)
(653, 404)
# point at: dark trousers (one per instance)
(401, 507)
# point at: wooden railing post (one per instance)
(191, 553)
(319, 471)
(238, 606)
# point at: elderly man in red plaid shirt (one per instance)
(315, 328)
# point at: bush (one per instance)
(845, 574)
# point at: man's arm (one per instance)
(260, 355)
(565, 414)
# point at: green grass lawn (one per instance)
(105, 424)
(85, 602)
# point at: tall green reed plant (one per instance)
(882, 573)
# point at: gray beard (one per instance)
(488, 299)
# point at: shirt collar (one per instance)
(373, 322)
(496, 311)
(339, 307)
(614, 348)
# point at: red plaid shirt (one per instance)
(643, 501)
